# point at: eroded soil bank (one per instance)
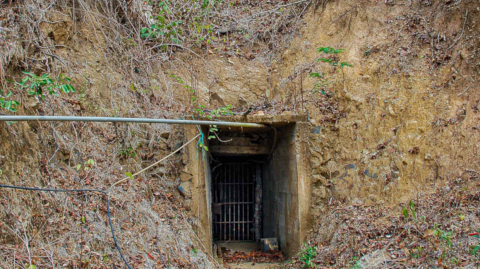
(399, 130)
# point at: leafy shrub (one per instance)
(37, 85)
(332, 59)
(307, 255)
(5, 103)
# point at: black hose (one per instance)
(79, 190)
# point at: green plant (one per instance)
(37, 85)
(5, 103)
(444, 236)
(307, 254)
(355, 263)
(128, 152)
(331, 57)
(475, 249)
(87, 165)
(417, 252)
(162, 27)
(411, 206)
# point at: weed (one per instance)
(332, 59)
(405, 212)
(444, 236)
(417, 252)
(87, 165)
(307, 255)
(128, 152)
(355, 263)
(37, 85)
(5, 103)
(475, 249)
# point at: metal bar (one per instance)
(238, 209)
(137, 120)
(233, 183)
(224, 206)
(233, 205)
(248, 215)
(237, 222)
(258, 201)
(229, 206)
(244, 236)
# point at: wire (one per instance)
(107, 194)
(79, 190)
(168, 156)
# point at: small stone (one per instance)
(317, 130)
(269, 244)
(165, 135)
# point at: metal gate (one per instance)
(235, 190)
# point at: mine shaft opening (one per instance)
(253, 188)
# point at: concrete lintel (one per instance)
(236, 150)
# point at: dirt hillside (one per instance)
(393, 110)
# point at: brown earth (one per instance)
(402, 122)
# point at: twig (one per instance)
(463, 30)
(79, 190)
(158, 249)
(145, 169)
(278, 7)
(460, 94)
(348, 11)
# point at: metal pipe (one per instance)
(137, 120)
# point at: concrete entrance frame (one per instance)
(286, 191)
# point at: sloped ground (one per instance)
(437, 230)
(403, 121)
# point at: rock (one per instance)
(269, 244)
(185, 189)
(165, 135)
(374, 260)
(184, 176)
(317, 130)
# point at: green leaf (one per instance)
(211, 137)
(32, 267)
(130, 175)
(342, 64)
(83, 219)
(405, 212)
(324, 60)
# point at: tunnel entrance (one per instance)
(253, 184)
(236, 195)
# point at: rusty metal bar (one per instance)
(235, 197)
(234, 200)
(248, 207)
(258, 202)
(224, 208)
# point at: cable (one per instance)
(107, 194)
(168, 156)
(79, 190)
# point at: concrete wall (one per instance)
(280, 193)
(286, 214)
